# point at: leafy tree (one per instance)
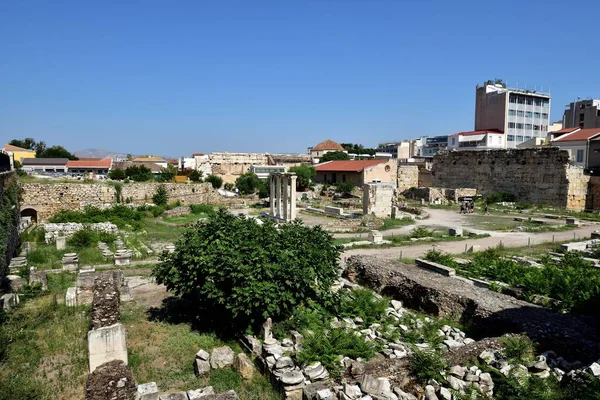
(216, 181)
(53, 152)
(345, 187)
(238, 272)
(334, 155)
(359, 149)
(161, 196)
(305, 173)
(117, 174)
(27, 143)
(129, 157)
(195, 176)
(248, 183)
(167, 174)
(139, 173)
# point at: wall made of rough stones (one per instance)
(9, 210)
(541, 176)
(105, 305)
(230, 166)
(49, 198)
(408, 177)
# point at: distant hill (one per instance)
(97, 153)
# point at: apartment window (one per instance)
(453, 141)
(519, 125)
(581, 124)
(520, 113)
(527, 137)
(536, 127)
(513, 99)
(581, 117)
(537, 115)
(528, 114)
(510, 138)
(512, 112)
(510, 125)
(530, 102)
(521, 100)
(519, 138)
(580, 156)
(545, 115)
(528, 126)
(538, 103)
(544, 127)
(598, 113)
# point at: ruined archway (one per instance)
(30, 212)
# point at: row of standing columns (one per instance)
(283, 196)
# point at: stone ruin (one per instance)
(282, 196)
(55, 230)
(378, 199)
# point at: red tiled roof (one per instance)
(10, 147)
(90, 163)
(347, 165)
(198, 154)
(565, 130)
(479, 132)
(580, 135)
(328, 145)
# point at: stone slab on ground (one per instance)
(492, 313)
(106, 344)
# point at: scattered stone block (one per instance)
(106, 344)
(571, 221)
(375, 237)
(455, 231)
(38, 278)
(71, 297)
(474, 249)
(244, 366)
(221, 357)
(70, 262)
(61, 242)
(200, 393)
(147, 391)
(201, 367)
(122, 257)
(435, 267)
(175, 396)
(15, 283)
(8, 301)
(334, 210)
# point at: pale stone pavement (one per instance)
(508, 239)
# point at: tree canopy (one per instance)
(41, 150)
(334, 155)
(359, 149)
(305, 173)
(167, 174)
(240, 272)
(250, 183)
(139, 173)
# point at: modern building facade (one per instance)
(38, 165)
(357, 172)
(583, 146)
(583, 114)
(520, 114)
(485, 139)
(432, 146)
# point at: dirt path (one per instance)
(508, 239)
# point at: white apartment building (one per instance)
(520, 114)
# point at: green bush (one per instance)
(334, 155)
(346, 187)
(426, 365)
(117, 174)
(139, 173)
(248, 183)
(517, 349)
(239, 272)
(420, 232)
(201, 209)
(437, 256)
(157, 211)
(161, 196)
(305, 174)
(215, 181)
(119, 215)
(364, 304)
(195, 176)
(501, 197)
(326, 346)
(87, 238)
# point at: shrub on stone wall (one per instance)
(239, 272)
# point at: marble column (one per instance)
(293, 197)
(284, 188)
(278, 195)
(272, 196)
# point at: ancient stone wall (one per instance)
(541, 176)
(9, 220)
(230, 166)
(593, 198)
(408, 177)
(49, 198)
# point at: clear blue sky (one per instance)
(175, 77)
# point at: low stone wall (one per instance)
(112, 380)
(49, 198)
(9, 220)
(491, 313)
